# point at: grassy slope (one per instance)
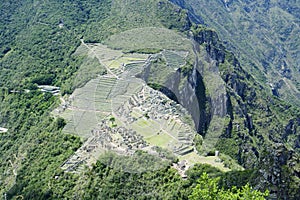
(148, 38)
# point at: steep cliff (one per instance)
(230, 108)
(258, 121)
(262, 34)
(235, 113)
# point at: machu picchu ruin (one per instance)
(119, 112)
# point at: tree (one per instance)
(60, 122)
(198, 140)
(207, 189)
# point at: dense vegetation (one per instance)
(38, 40)
(264, 127)
(37, 44)
(263, 34)
(110, 180)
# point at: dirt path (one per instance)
(107, 68)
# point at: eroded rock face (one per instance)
(246, 36)
(276, 168)
(192, 96)
(189, 91)
(251, 114)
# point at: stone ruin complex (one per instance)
(133, 106)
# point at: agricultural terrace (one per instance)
(117, 111)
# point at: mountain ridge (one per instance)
(256, 122)
(263, 35)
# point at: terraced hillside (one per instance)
(147, 103)
(119, 112)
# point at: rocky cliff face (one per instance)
(252, 118)
(277, 169)
(192, 96)
(231, 109)
(188, 89)
(262, 34)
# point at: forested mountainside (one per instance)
(111, 99)
(263, 34)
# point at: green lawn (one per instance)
(148, 38)
(161, 140)
(194, 158)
